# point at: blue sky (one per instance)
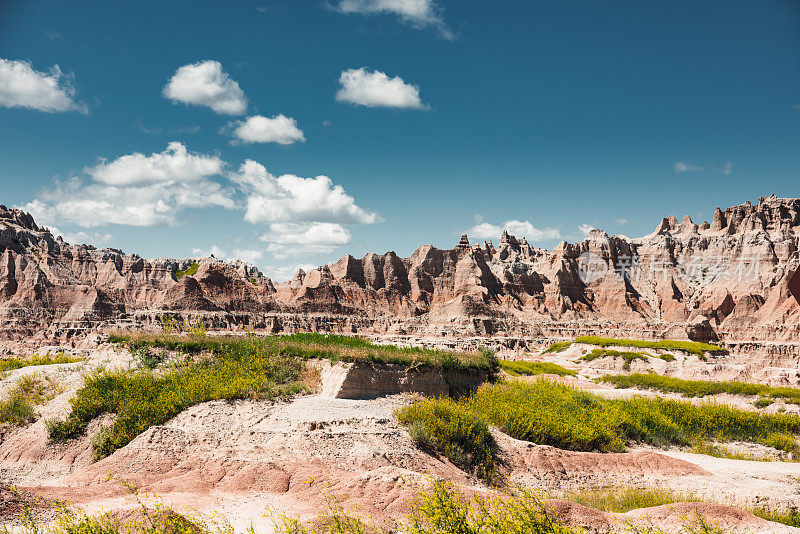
(429, 118)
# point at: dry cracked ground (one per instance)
(250, 460)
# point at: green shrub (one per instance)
(628, 357)
(691, 347)
(452, 430)
(763, 403)
(518, 368)
(554, 414)
(141, 399)
(17, 409)
(559, 346)
(701, 388)
(189, 271)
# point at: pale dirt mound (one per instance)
(730, 520)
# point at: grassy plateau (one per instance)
(204, 368)
(9, 364)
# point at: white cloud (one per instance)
(284, 273)
(135, 190)
(175, 164)
(22, 86)
(82, 238)
(215, 251)
(686, 167)
(516, 228)
(206, 84)
(622, 221)
(298, 239)
(584, 229)
(375, 89)
(290, 198)
(259, 129)
(418, 13)
(727, 168)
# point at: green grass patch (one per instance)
(9, 364)
(628, 357)
(560, 346)
(17, 409)
(789, 517)
(692, 347)
(189, 271)
(667, 357)
(621, 499)
(452, 430)
(144, 398)
(701, 388)
(525, 368)
(555, 414)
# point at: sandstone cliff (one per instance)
(726, 279)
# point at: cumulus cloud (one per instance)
(622, 221)
(514, 227)
(82, 238)
(259, 129)
(135, 190)
(284, 273)
(417, 13)
(680, 166)
(584, 229)
(23, 87)
(363, 87)
(292, 239)
(206, 84)
(290, 198)
(175, 164)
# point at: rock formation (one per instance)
(726, 280)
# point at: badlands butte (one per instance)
(610, 385)
(720, 281)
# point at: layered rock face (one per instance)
(725, 280)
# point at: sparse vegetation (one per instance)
(520, 368)
(789, 517)
(763, 403)
(701, 388)
(692, 347)
(454, 431)
(17, 408)
(560, 346)
(191, 270)
(141, 399)
(9, 364)
(721, 451)
(625, 498)
(628, 357)
(554, 414)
